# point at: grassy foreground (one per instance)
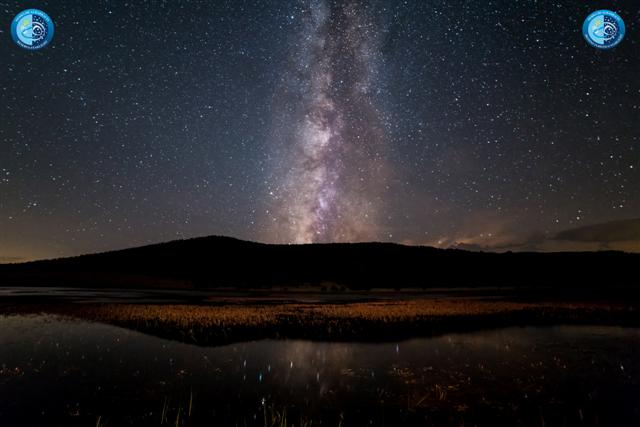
(357, 321)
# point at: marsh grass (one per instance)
(272, 416)
(361, 321)
(182, 414)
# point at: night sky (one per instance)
(478, 124)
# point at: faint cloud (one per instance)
(607, 232)
(501, 236)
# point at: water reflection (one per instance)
(61, 372)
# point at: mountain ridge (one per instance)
(221, 261)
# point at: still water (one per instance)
(69, 373)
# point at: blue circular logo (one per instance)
(32, 29)
(603, 29)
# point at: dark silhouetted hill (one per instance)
(223, 262)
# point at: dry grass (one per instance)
(186, 316)
(379, 320)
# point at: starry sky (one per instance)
(477, 124)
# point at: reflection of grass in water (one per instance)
(431, 399)
(208, 324)
(272, 416)
(163, 414)
(278, 418)
(178, 417)
(440, 398)
(166, 418)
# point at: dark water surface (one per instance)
(33, 294)
(71, 373)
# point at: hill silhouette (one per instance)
(212, 262)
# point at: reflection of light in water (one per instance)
(507, 364)
(309, 361)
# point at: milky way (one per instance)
(331, 177)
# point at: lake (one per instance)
(55, 371)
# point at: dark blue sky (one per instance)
(428, 122)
